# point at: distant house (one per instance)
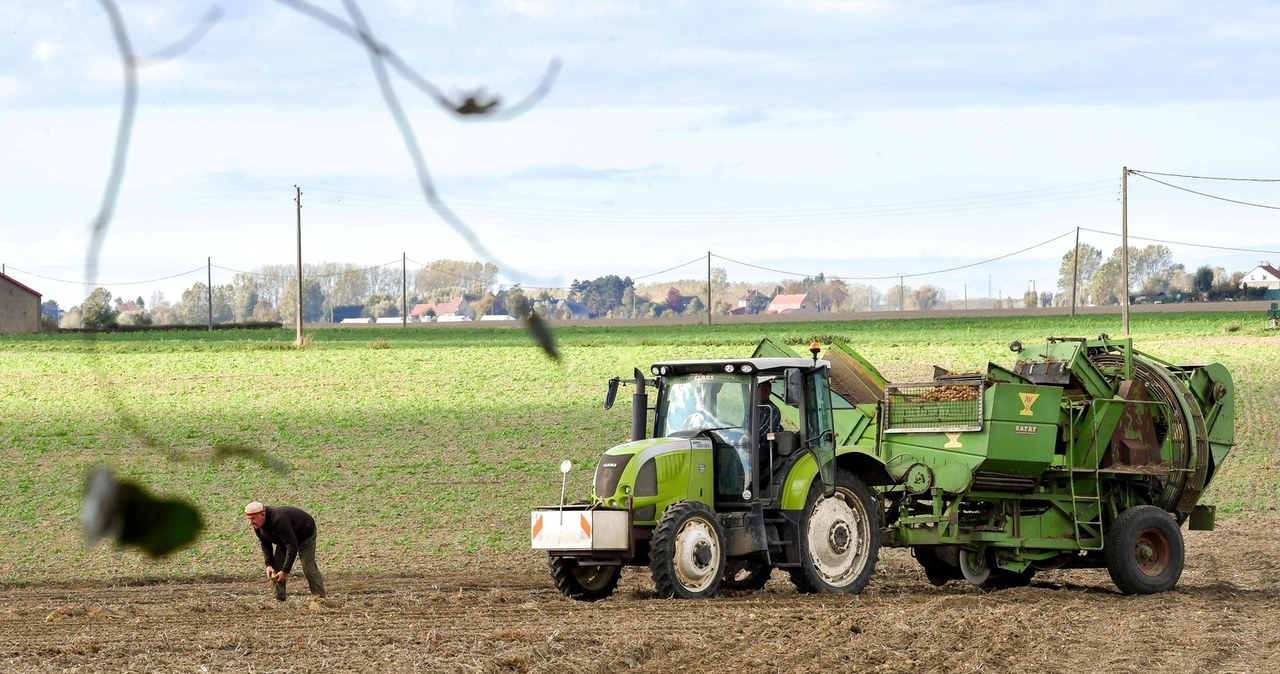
(344, 311)
(458, 306)
(577, 310)
(791, 304)
(753, 302)
(566, 310)
(419, 311)
(1262, 276)
(677, 302)
(19, 307)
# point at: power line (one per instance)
(1184, 243)
(894, 276)
(1183, 175)
(1205, 194)
(1075, 191)
(307, 276)
(105, 283)
(472, 279)
(686, 264)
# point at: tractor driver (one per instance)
(770, 423)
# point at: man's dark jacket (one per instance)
(286, 526)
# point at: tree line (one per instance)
(269, 293)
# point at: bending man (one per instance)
(285, 534)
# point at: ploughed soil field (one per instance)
(465, 614)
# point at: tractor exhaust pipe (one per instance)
(639, 408)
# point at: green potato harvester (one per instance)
(1084, 453)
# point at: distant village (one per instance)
(451, 291)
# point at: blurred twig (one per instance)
(472, 104)
(377, 55)
(193, 37)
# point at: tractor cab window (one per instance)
(717, 406)
(706, 402)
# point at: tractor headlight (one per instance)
(728, 368)
(746, 368)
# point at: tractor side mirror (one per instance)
(612, 393)
(795, 387)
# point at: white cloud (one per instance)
(8, 87)
(846, 6)
(1267, 32)
(580, 9)
(45, 51)
(443, 13)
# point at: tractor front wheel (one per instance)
(1144, 550)
(686, 553)
(839, 538)
(584, 582)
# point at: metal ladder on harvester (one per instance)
(1086, 509)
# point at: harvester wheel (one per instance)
(839, 538)
(686, 553)
(935, 562)
(584, 582)
(975, 566)
(979, 568)
(1144, 550)
(746, 575)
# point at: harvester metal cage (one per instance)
(931, 407)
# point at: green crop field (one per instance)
(425, 446)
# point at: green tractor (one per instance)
(1087, 453)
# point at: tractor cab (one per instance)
(736, 406)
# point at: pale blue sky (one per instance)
(853, 138)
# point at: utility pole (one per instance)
(1124, 245)
(404, 289)
(298, 200)
(1075, 273)
(708, 287)
(902, 295)
(966, 296)
(208, 268)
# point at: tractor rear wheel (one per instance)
(1144, 550)
(839, 538)
(746, 575)
(584, 582)
(686, 553)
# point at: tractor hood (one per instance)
(631, 469)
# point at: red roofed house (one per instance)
(457, 306)
(1262, 276)
(19, 307)
(791, 304)
(419, 311)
